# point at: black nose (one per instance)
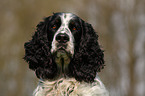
(62, 38)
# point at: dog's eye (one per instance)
(54, 27)
(74, 28)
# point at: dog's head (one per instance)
(64, 32)
(64, 44)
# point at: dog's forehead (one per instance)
(66, 17)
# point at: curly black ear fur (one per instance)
(89, 58)
(37, 53)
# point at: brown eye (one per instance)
(74, 28)
(54, 27)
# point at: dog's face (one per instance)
(64, 33)
(64, 45)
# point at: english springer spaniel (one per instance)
(65, 55)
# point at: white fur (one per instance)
(61, 87)
(64, 28)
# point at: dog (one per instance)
(65, 54)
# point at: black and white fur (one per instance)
(65, 55)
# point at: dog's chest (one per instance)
(70, 87)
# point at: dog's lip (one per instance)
(61, 46)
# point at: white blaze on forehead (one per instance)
(65, 18)
(64, 28)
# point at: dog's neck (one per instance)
(70, 87)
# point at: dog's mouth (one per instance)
(61, 46)
(62, 57)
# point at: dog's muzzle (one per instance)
(62, 57)
(62, 40)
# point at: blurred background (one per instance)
(120, 25)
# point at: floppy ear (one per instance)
(89, 59)
(37, 53)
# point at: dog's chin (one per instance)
(62, 58)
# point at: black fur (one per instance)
(37, 53)
(87, 60)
